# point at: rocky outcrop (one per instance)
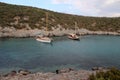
(12, 32)
(66, 70)
(88, 32)
(24, 72)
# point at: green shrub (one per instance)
(112, 74)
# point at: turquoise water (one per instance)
(90, 51)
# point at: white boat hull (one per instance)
(44, 41)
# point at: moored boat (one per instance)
(73, 36)
(42, 38)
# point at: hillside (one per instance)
(21, 17)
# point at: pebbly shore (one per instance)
(62, 74)
(19, 33)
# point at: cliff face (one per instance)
(22, 21)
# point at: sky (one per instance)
(101, 8)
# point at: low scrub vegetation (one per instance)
(112, 74)
(21, 16)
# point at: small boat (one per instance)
(73, 36)
(42, 38)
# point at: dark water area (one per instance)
(90, 51)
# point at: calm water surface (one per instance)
(90, 51)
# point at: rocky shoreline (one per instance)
(62, 74)
(23, 33)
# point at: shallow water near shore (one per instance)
(90, 51)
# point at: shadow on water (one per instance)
(4, 39)
(76, 40)
(51, 44)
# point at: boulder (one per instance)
(66, 70)
(24, 72)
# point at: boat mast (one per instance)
(75, 26)
(46, 25)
